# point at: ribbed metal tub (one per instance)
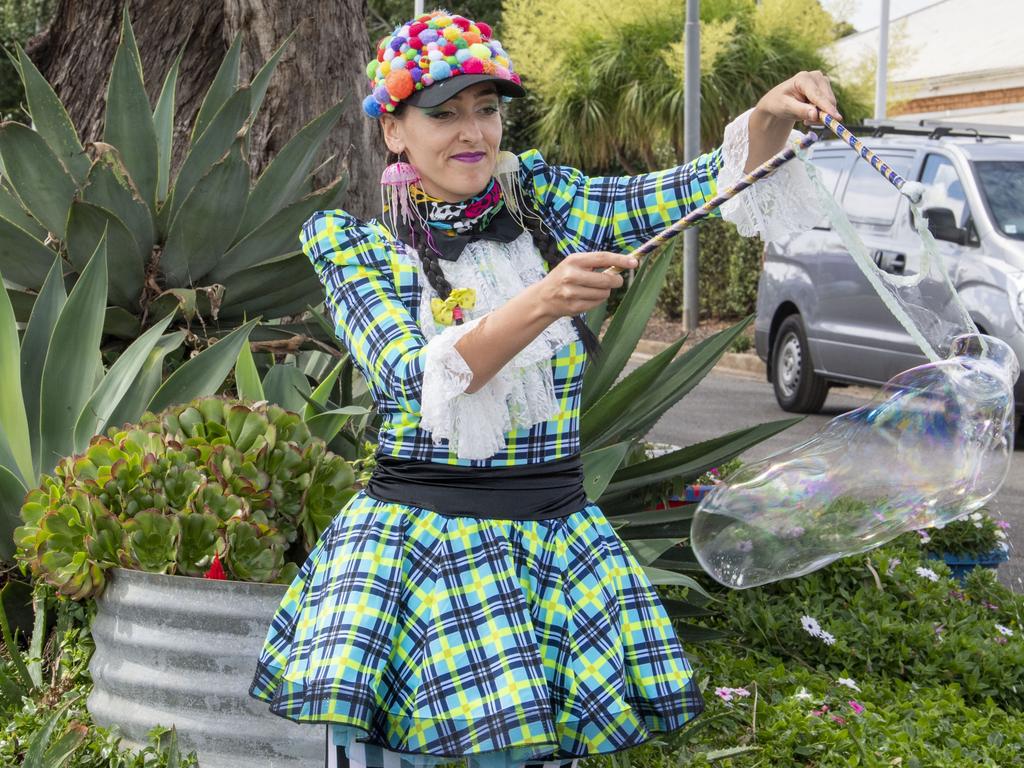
(182, 651)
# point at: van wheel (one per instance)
(797, 387)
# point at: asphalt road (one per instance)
(725, 401)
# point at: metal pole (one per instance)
(417, 8)
(883, 61)
(691, 148)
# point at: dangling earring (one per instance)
(395, 201)
(506, 171)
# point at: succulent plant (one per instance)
(249, 483)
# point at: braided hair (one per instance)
(542, 240)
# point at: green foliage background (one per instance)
(19, 20)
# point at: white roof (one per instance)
(950, 39)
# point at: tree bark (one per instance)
(323, 63)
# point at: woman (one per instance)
(471, 602)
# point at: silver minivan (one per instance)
(820, 324)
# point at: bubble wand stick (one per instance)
(912, 189)
(766, 168)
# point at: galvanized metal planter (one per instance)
(182, 651)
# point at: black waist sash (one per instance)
(521, 492)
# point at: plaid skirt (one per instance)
(445, 637)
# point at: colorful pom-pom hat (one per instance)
(429, 59)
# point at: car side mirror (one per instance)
(942, 225)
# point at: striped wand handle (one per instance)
(911, 189)
(766, 168)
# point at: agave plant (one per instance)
(617, 415)
(249, 485)
(208, 241)
(55, 392)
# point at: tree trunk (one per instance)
(323, 63)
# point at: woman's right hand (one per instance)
(574, 287)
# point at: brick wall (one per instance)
(958, 101)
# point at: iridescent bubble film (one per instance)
(933, 445)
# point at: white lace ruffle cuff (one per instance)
(777, 206)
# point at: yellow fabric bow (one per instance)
(459, 297)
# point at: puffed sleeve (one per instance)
(617, 213)
(356, 265)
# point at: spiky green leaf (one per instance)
(12, 494)
(23, 259)
(34, 343)
(12, 210)
(224, 84)
(37, 177)
(105, 189)
(601, 418)
(626, 327)
(51, 120)
(128, 122)
(13, 422)
(204, 373)
(72, 360)
(277, 236)
(115, 384)
(284, 179)
(287, 386)
(146, 383)
(204, 227)
(262, 79)
(163, 124)
(87, 224)
(247, 378)
(276, 289)
(209, 150)
(599, 466)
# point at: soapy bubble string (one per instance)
(935, 348)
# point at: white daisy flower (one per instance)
(926, 573)
(811, 626)
(803, 694)
(827, 637)
(1004, 630)
(848, 683)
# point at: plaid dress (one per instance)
(499, 640)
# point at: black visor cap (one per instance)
(442, 90)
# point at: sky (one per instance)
(863, 14)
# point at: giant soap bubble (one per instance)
(933, 445)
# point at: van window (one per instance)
(829, 168)
(1002, 185)
(942, 188)
(871, 198)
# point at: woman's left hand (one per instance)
(806, 96)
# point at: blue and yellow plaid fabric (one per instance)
(498, 640)
(455, 636)
(373, 293)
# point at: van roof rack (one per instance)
(937, 129)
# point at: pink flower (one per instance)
(1001, 640)
(925, 538)
(1003, 524)
(856, 707)
(838, 719)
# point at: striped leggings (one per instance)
(370, 756)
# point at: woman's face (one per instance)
(453, 146)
